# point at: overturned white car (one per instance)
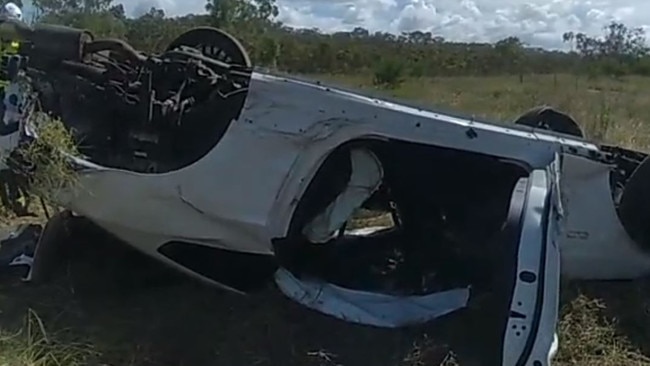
(234, 176)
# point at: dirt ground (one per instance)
(120, 308)
(112, 306)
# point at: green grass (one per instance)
(609, 110)
(109, 307)
(52, 171)
(32, 345)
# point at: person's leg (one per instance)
(14, 195)
(4, 197)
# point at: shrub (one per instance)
(388, 73)
(45, 159)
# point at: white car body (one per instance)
(265, 161)
(257, 194)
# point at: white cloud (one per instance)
(538, 22)
(171, 7)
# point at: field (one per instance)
(113, 307)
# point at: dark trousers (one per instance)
(13, 187)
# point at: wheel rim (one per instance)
(214, 43)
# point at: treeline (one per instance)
(619, 51)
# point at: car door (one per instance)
(524, 309)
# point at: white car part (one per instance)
(366, 177)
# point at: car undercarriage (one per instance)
(160, 113)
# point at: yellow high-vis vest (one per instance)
(10, 47)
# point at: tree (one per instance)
(620, 49)
(510, 52)
(151, 31)
(99, 16)
(118, 12)
(60, 7)
(619, 42)
(420, 53)
(569, 37)
(225, 13)
(623, 43)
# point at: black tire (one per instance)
(634, 206)
(214, 43)
(548, 118)
(51, 253)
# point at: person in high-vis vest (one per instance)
(11, 107)
(10, 11)
(11, 90)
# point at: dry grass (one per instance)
(49, 156)
(601, 325)
(609, 110)
(34, 346)
(590, 338)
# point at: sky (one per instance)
(539, 23)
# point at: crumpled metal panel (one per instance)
(370, 308)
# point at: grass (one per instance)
(114, 307)
(609, 110)
(33, 345)
(47, 155)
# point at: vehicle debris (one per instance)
(371, 308)
(17, 248)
